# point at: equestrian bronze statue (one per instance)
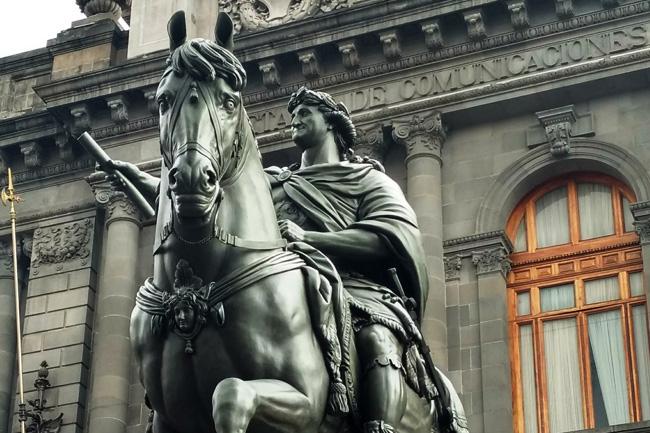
(281, 301)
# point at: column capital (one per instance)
(422, 134)
(6, 259)
(492, 260)
(370, 142)
(453, 265)
(117, 204)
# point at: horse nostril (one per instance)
(212, 178)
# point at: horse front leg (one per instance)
(274, 403)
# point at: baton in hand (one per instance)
(104, 161)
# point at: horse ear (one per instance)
(176, 30)
(223, 31)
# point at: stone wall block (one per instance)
(71, 298)
(43, 322)
(73, 335)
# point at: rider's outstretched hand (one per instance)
(129, 170)
(291, 231)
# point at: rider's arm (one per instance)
(143, 181)
(351, 243)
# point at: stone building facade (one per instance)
(483, 111)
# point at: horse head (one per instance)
(202, 119)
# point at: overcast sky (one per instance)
(28, 24)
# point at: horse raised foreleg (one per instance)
(274, 403)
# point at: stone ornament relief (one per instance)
(59, 244)
(453, 266)
(262, 14)
(492, 260)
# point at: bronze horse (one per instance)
(222, 333)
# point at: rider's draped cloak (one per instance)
(339, 196)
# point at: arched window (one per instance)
(578, 326)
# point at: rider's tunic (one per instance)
(335, 197)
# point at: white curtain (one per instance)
(563, 376)
(642, 357)
(627, 215)
(523, 303)
(552, 218)
(596, 213)
(527, 358)
(520, 240)
(606, 341)
(557, 297)
(636, 284)
(603, 289)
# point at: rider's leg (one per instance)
(274, 403)
(383, 402)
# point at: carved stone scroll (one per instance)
(558, 124)
(423, 134)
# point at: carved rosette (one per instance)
(422, 135)
(263, 14)
(492, 260)
(643, 230)
(94, 7)
(453, 265)
(60, 244)
(370, 142)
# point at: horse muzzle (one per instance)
(193, 185)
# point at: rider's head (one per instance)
(336, 115)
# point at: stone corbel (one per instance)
(641, 213)
(270, 74)
(370, 142)
(390, 44)
(558, 123)
(475, 25)
(349, 55)
(152, 103)
(432, 35)
(608, 4)
(423, 134)
(518, 14)
(80, 119)
(65, 146)
(310, 64)
(119, 107)
(4, 160)
(564, 8)
(453, 265)
(33, 154)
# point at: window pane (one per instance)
(642, 358)
(520, 241)
(552, 218)
(608, 378)
(603, 289)
(527, 357)
(628, 219)
(636, 284)
(563, 376)
(557, 297)
(596, 213)
(523, 303)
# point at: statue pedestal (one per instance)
(149, 23)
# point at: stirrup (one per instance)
(377, 426)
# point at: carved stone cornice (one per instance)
(119, 107)
(432, 35)
(467, 245)
(390, 44)
(475, 25)
(558, 123)
(453, 265)
(150, 96)
(80, 119)
(349, 55)
(56, 245)
(492, 260)
(370, 142)
(310, 64)
(270, 74)
(518, 14)
(423, 134)
(33, 154)
(641, 213)
(564, 8)
(65, 146)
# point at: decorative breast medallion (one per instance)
(262, 14)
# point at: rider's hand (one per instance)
(291, 231)
(129, 170)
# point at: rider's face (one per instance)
(308, 126)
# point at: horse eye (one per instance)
(163, 104)
(229, 105)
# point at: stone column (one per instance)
(116, 297)
(7, 334)
(492, 265)
(423, 136)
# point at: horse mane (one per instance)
(205, 60)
